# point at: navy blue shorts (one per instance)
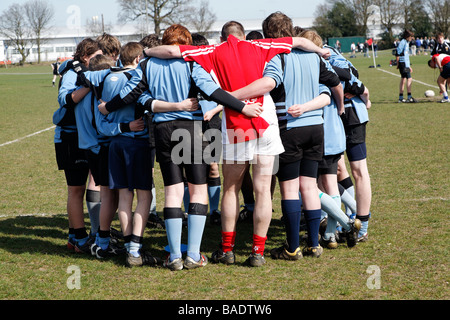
(446, 71)
(356, 152)
(130, 164)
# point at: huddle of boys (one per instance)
(109, 103)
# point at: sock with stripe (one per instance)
(81, 236)
(103, 238)
(214, 189)
(173, 219)
(196, 224)
(93, 204)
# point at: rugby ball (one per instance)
(429, 93)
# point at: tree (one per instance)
(361, 11)
(39, 14)
(94, 27)
(14, 27)
(390, 15)
(203, 18)
(420, 21)
(440, 11)
(161, 12)
(335, 22)
(321, 23)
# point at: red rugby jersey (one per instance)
(234, 64)
(443, 58)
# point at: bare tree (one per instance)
(161, 13)
(362, 13)
(390, 14)
(94, 27)
(440, 12)
(202, 18)
(14, 27)
(39, 14)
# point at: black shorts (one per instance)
(329, 164)
(302, 143)
(355, 134)
(293, 170)
(180, 147)
(98, 164)
(214, 123)
(404, 71)
(72, 159)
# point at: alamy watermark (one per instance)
(374, 280)
(74, 280)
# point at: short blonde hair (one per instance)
(313, 36)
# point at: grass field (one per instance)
(408, 157)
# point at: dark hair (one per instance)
(298, 30)
(407, 34)
(254, 35)
(199, 40)
(150, 41)
(86, 47)
(278, 25)
(129, 52)
(176, 34)
(232, 27)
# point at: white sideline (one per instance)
(414, 80)
(30, 135)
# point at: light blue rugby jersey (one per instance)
(333, 128)
(109, 126)
(337, 59)
(301, 84)
(170, 80)
(356, 102)
(403, 52)
(113, 84)
(63, 117)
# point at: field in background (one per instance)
(408, 156)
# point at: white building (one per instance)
(62, 41)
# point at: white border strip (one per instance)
(30, 135)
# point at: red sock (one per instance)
(258, 244)
(228, 239)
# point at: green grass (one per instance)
(408, 156)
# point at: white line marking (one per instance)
(397, 75)
(30, 135)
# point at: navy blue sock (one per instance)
(291, 213)
(312, 218)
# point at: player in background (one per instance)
(404, 67)
(441, 61)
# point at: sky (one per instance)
(223, 9)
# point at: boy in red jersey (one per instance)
(442, 62)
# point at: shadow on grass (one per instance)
(48, 235)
